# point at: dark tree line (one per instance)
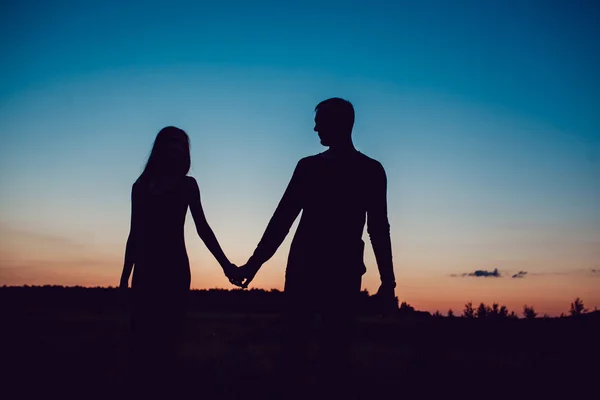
(99, 300)
(257, 301)
(496, 311)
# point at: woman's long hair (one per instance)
(169, 160)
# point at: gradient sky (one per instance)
(486, 116)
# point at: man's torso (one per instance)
(336, 193)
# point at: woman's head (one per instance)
(170, 156)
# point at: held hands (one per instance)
(232, 272)
(248, 271)
(241, 276)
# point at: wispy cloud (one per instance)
(29, 257)
(9, 233)
(520, 274)
(480, 273)
(66, 271)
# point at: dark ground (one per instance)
(50, 350)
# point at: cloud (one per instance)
(485, 274)
(520, 274)
(580, 272)
(480, 273)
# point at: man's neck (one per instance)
(342, 148)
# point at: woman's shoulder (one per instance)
(190, 181)
(190, 185)
(146, 186)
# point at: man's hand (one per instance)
(386, 298)
(248, 271)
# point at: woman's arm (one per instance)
(204, 230)
(130, 248)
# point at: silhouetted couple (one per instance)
(337, 191)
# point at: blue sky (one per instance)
(483, 113)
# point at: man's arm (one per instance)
(378, 228)
(284, 216)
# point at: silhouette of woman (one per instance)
(156, 247)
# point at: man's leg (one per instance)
(337, 338)
(295, 340)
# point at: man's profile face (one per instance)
(324, 127)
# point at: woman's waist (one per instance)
(162, 272)
(162, 238)
(161, 245)
(163, 255)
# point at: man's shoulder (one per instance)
(359, 158)
(371, 162)
(309, 160)
(373, 169)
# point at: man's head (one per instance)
(334, 121)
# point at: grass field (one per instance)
(73, 353)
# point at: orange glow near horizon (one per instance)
(58, 261)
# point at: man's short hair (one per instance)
(339, 111)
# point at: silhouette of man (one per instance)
(337, 191)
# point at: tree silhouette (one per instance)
(405, 307)
(529, 312)
(100, 300)
(577, 308)
(482, 311)
(469, 312)
(497, 311)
